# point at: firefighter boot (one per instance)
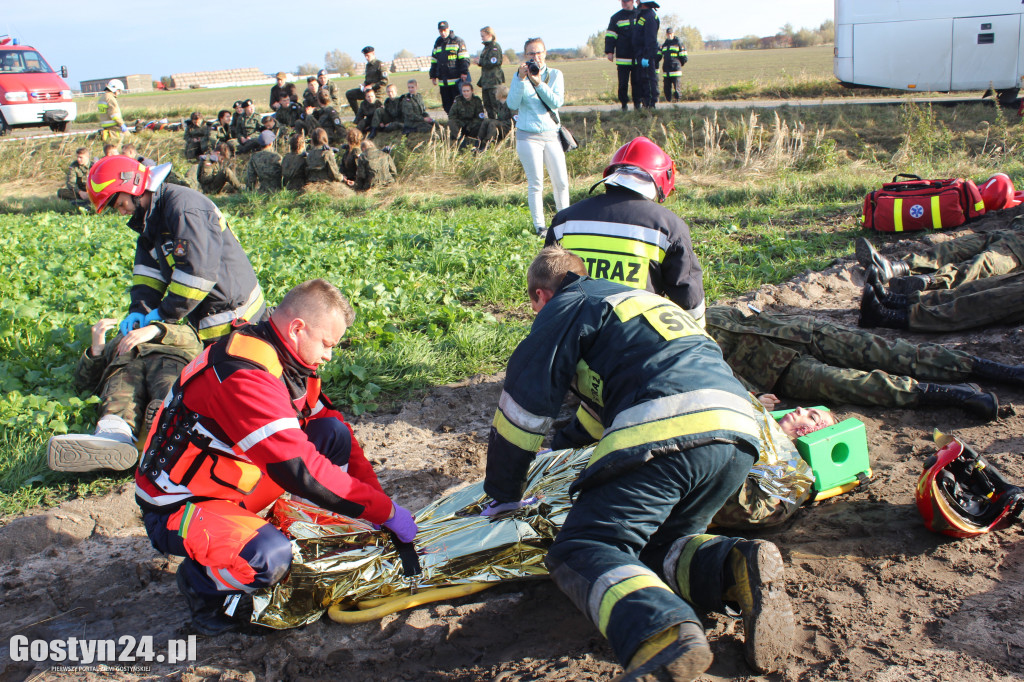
(208, 612)
(112, 446)
(997, 371)
(874, 314)
(868, 257)
(759, 591)
(908, 285)
(680, 654)
(968, 397)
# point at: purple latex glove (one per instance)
(401, 524)
(495, 507)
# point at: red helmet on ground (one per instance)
(997, 192)
(961, 495)
(113, 174)
(643, 153)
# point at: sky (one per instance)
(106, 40)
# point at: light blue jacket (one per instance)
(533, 117)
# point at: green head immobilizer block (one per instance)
(837, 454)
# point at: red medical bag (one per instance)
(917, 204)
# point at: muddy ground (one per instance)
(877, 596)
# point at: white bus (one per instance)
(930, 45)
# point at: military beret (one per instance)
(368, 49)
(322, 72)
(266, 138)
(441, 25)
(247, 103)
(238, 103)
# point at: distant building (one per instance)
(137, 82)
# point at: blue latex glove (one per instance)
(124, 129)
(133, 321)
(495, 507)
(645, 63)
(402, 524)
(153, 316)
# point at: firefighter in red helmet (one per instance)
(624, 236)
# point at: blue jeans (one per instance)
(608, 557)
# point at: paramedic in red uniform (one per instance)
(244, 423)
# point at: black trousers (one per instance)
(448, 95)
(627, 76)
(672, 92)
(647, 77)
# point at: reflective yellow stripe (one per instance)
(936, 213)
(666, 429)
(591, 425)
(515, 435)
(624, 62)
(142, 280)
(589, 383)
(611, 34)
(254, 308)
(612, 245)
(187, 292)
(629, 308)
(683, 564)
(169, 257)
(215, 332)
(980, 207)
(897, 214)
(623, 589)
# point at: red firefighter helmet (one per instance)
(961, 495)
(643, 153)
(113, 174)
(997, 192)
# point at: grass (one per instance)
(435, 265)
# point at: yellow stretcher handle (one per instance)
(382, 607)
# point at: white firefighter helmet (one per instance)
(115, 85)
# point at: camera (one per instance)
(532, 68)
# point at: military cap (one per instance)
(649, 4)
(322, 72)
(267, 138)
(280, 74)
(441, 25)
(238, 103)
(368, 49)
(247, 103)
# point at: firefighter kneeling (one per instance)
(244, 423)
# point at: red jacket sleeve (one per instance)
(358, 466)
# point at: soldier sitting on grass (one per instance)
(131, 374)
(74, 189)
(466, 115)
(497, 129)
(367, 108)
(388, 118)
(374, 168)
(215, 171)
(264, 169)
(415, 118)
(293, 165)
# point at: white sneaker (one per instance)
(112, 446)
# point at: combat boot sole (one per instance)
(682, 660)
(88, 453)
(768, 625)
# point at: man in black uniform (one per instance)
(673, 58)
(624, 236)
(618, 48)
(449, 64)
(645, 52)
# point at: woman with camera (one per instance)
(536, 93)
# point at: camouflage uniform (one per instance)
(293, 171)
(264, 170)
(332, 91)
(364, 117)
(223, 134)
(375, 168)
(74, 183)
(465, 117)
(330, 120)
(127, 383)
(349, 161)
(310, 98)
(993, 300)
(803, 358)
(306, 124)
(389, 117)
(414, 113)
(214, 173)
(286, 116)
(497, 128)
(491, 76)
(197, 140)
(972, 257)
(321, 166)
(248, 126)
(376, 79)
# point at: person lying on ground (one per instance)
(131, 374)
(807, 359)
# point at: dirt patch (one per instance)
(878, 597)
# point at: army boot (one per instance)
(868, 257)
(996, 371)
(209, 613)
(680, 654)
(908, 285)
(874, 314)
(968, 397)
(111, 446)
(886, 297)
(759, 591)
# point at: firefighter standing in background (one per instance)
(624, 236)
(449, 64)
(188, 263)
(645, 52)
(618, 48)
(112, 124)
(673, 58)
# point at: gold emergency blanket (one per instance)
(339, 560)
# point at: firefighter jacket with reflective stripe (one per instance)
(189, 264)
(231, 428)
(650, 380)
(623, 237)
(673, 57)
(618, 39)
(449, 60)
(645, 35)
(109, 110)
